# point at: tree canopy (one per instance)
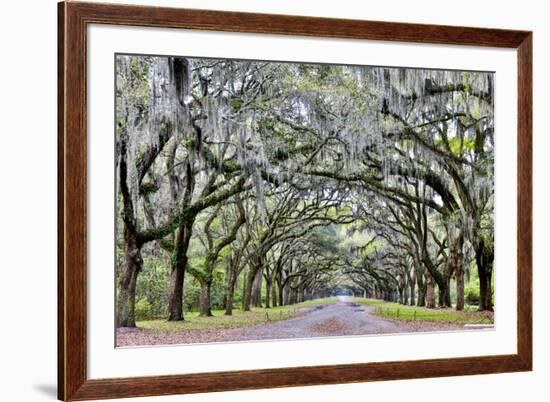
(269, 183)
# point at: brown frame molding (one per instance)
(73, 19)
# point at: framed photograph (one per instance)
(251, 201)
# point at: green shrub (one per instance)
(153, 284)
(218, 291)
(191, 295)
(471, 292)
(143, 310)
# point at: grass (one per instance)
(261, 315)
(238, 319)
(314, 302)
(401, 312)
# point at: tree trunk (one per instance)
(257, 288)
(412, 291)
(229, 300)
(175, 298)
(133, 263)
(300, 294)
(453, 265)
(244, 294)
(286, 293)
(430, 293)
(437, 278)
(460, 287)
(205, 309)
(422, 289)
(292, 296)
(126, 300)
(445, 294)
(247, 288)
(230, 291)
(459, 275)
(485, 291)
(484, 261)
(274, 299)
(267, 292)
(179, 264)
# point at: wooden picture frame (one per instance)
(73, 382)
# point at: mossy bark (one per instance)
(205, 307)
(484, 259)
(177, 276)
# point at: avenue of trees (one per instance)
(251, 183)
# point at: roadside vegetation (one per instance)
(256, 316)
(385, 309)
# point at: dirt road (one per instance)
(343, 317)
